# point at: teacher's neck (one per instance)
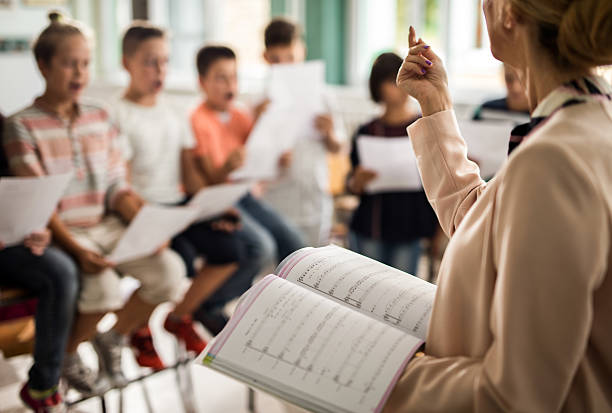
(542, 75)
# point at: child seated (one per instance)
(388, 226)
(60, 134)
(221, 131)
(158, 144)
(302, 194)
(513, 106)
(52, 277)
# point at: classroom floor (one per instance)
(214, 392)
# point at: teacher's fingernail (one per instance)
(426, 47)
(423, 71)
(428, 62)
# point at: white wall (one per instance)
(20, 81)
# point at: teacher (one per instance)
(522, 320)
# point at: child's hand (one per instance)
(285, 160)
(161, 248)
(38, 241)
(423, 76)
(228, 222)
(361, 178)
(235, 160)
(260, 108)
(325, 125)
(92, 262)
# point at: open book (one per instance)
(331, 332)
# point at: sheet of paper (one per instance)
(390, 295)
(487, 143)
(152, 226)
(214, 200)
(296, 94)
(27, 204)
(393, 160)
(274, 133)
(312, 349)
(300, 84)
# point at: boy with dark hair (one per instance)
(302, 193)
(158, 145)
(221, 131)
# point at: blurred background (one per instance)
(346, 34)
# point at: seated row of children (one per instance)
(141, 151)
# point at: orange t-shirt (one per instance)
(215, 138)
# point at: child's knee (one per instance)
(165, 279)
(100, 293)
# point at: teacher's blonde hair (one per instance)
(577, 33)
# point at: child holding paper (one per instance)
(302, 194)
(59, 134)
(221, 130)
(52, 277)
(388, 226)
(158, 145)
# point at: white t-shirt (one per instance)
(302, 194)
(152, 140)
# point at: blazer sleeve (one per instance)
(451, 181)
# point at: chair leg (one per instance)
(183, 379)
(147, 397)
(251, 400)
(120, 400)
(103, 404)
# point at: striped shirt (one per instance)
(87, 146)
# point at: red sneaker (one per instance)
(183, 329)
(53, 403)
(141, 342)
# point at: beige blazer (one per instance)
(522, 320)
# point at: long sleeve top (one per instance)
(522, 320)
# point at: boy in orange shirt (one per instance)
(221, 131)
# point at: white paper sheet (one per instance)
(296, 93)
(301, 83)
(212, 201)
(394, 162)
(152, 226)
(26, 204)
(487, 143)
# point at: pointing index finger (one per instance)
(411, 37)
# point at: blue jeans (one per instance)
(286, 236)
(267, 237)
(403, 256)
(53, 278)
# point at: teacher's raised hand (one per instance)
(423, 76)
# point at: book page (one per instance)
(27, 205)
(369, 286)
(310, 350)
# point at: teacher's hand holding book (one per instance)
(423, 76)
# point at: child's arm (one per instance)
(191, 177)
(325, 126)
(218, 175)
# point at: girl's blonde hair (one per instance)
(576, 32)
(46, 44)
